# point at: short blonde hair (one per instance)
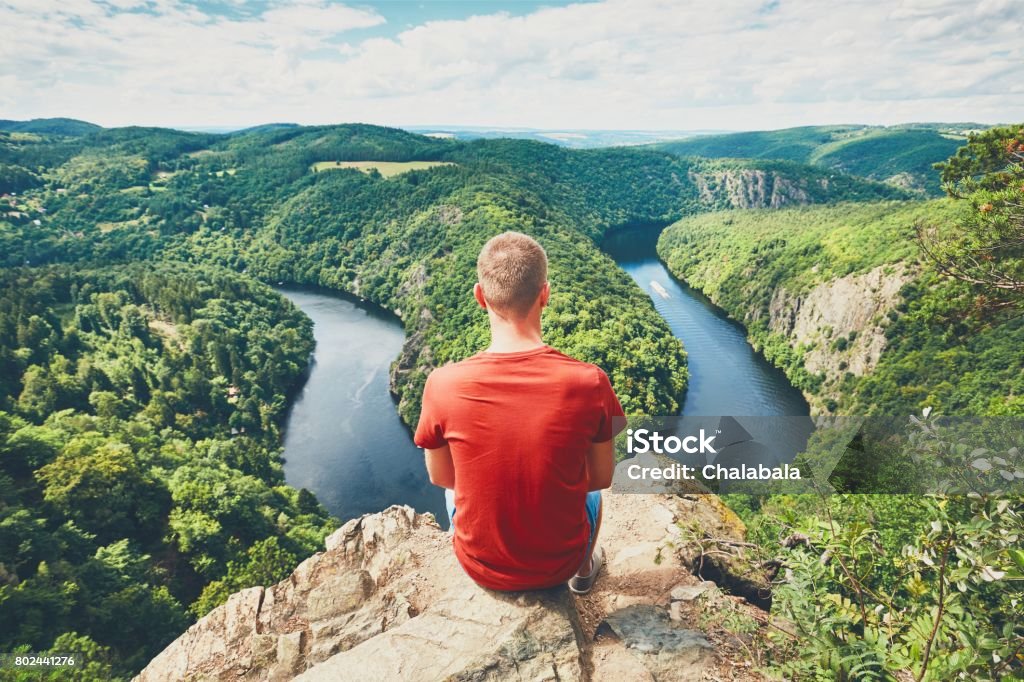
(512, 269)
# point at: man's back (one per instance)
(519, 426)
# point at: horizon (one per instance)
(420, 128)
(613, 65)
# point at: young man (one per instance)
(520, 436)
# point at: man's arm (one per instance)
(440, 467)
(601, 464)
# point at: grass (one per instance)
(106, 227)
(386, 168)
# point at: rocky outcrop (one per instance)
(916, 184)
(412, 365)
(388, 601)
(748, 188)
(841, 323)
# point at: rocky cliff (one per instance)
(387, 600)
(840, 323)
(751, 188)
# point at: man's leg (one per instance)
(594, 511)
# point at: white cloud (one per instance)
(617, 63)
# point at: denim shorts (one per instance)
(592, 504)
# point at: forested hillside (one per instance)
(845, 301)
(252, 201)
(909, 309)
(759, 266)
(902, 156)
(140, 472)
(146, 371)
(65, 127)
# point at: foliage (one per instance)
(932, 625)
(875, 586)
(265, 563)
(903, 157)
(50, 126)
(948, 607)
(899, 587)
(985, 246)
(139, 452)
(16, 179)
(92, 662)
(743, 259)
(249, 201)
(159, 387)
(900, 155)
(793, 144)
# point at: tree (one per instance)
(104, 488)
(94, 662)
(266, 563)
(986, 246)
(39, 393)
(947, 604)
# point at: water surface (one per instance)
(727, 376)
(729, 381)
(344, 441)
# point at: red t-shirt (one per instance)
(519, 426)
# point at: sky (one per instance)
(601, 64)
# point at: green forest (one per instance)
(900, 155)
(141, 479)
(148, 366)
(940, 351)
(882, 585)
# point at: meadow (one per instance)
(387, 169)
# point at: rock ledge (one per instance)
(387, 600)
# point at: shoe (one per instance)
(581, 584)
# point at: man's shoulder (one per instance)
(451, 372)
(559, 362)
(445, 373)
(584, 369)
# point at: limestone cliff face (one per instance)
(388, 601)
(749, 188)
(841, 322)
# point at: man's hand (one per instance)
(601, 464)
(440, 467)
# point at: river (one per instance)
(727, 376)
(345, 442)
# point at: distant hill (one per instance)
(264, 127)
(791, 144)
(898, 155)
(572, 138)
(348, 141)
(50, 126)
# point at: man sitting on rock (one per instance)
(520, 436)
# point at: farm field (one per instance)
(386, 168)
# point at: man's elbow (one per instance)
(441, 477)
(440, 480)
(601, 480)
(440, 469)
